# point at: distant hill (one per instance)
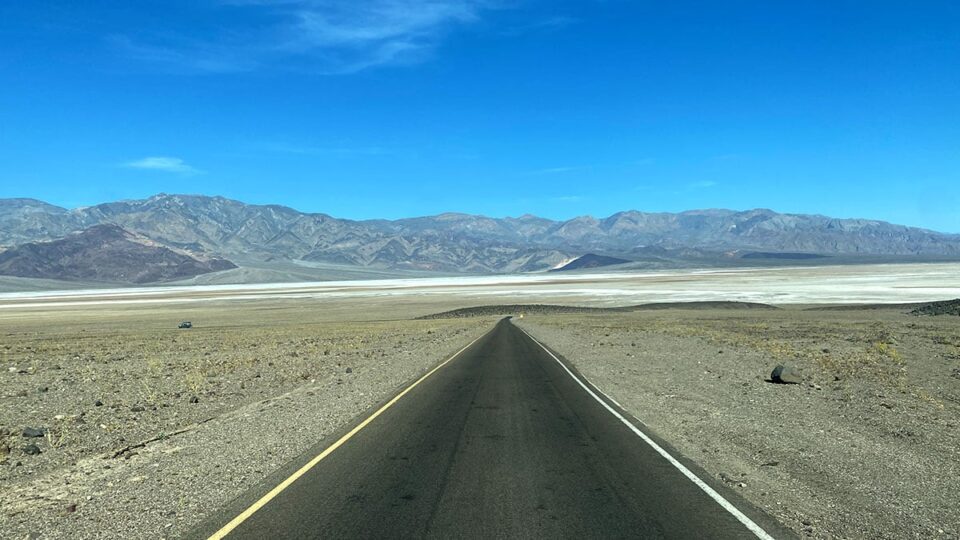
(782, 256)
(947, 307)
(105, 253)
(590, 260)
(463, 243)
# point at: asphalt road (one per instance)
(502, 442)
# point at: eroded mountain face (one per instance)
(106, 253)
(465, 243)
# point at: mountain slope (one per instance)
(105, 253)
(30, 220)
(467, 243)
(590, 260)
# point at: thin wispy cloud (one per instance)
(549, 24)
(326, 36)
(346, 151)
(553, 170)
(693, 187)
(163, 164)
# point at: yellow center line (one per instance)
(235, 522)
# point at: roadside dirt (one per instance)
(867, 447)
(147, 428)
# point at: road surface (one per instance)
(500, 442)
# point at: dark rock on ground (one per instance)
(34, 432)
(31, 450)
(785, 375)
(194, 399)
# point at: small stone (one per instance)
(34, 432)
(785, 375)
(349, 370)
(98, 403)
(71, 508)
(31, 449)
(137, 408)
(194, 399)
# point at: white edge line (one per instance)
(727, 505)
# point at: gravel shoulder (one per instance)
(148, 429)
(867, 447)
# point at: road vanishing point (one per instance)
(502, 440)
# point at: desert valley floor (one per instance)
(143, 429)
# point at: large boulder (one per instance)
(786, 375)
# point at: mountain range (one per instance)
(214, 230)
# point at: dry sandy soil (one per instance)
(867, 447)
(149, 428)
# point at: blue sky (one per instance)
(398, 108)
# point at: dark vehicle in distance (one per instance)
(185, 324)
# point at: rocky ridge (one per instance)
(455, 242)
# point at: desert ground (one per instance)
(114, 423)
(868, 446)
